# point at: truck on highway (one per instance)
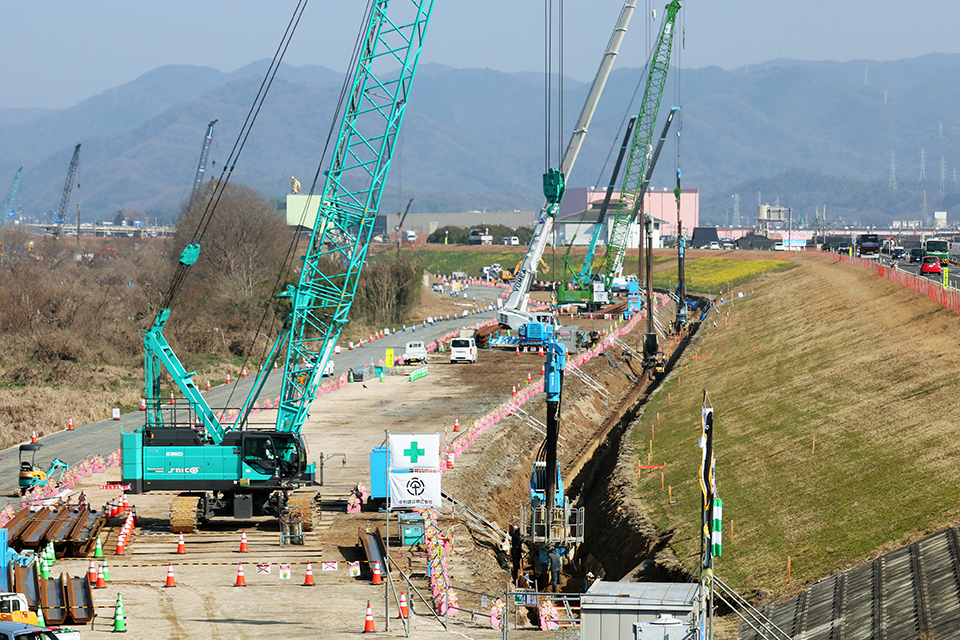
(937, 248)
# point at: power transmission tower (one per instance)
(943, 176)
(923, 164)
(893, 171)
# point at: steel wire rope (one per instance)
(288, 261)
(211, 206)
(230, 163)
(626, 114)
(287, 268)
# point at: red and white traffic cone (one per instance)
(514, 392)
(243, 542)
(376, 574)
(92, 572)
(228, 378)
(308, 579)
(241, 581)
(208, 385)
(404, 611)
(368, 622)
(173, 400)
(181, 546)
(101, 582)
(456, 424)
(529, 379)
(543, 369)
(70, 423)
(121, 546)
(243, 372)
(33, 436)
(540, 351)
(171, 581)
(518, 349)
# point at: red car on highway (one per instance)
(930, 264)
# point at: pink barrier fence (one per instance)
(948, 297)
(457, 447)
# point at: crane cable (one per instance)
(286, 270)
(203, 223)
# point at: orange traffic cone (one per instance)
(69, 424)
(514, 392)
(308, 579)
(33, 436)
(529, 378)
(181, 547)
(228, 378)
(540, 351)
(171, 581)
(543, 369)
(101, 582)
(518, 349)
(208, 385)
(368, 622)
(241, 581)
(243, 372)
(121, 546)
(456, 424)
(404, 612)
(243, 542)
(92, 572)
(376, 574)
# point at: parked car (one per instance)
(779, 247)
(20, 631)
(714, 246)
(463, 350)
(930, 264)
(916, 254)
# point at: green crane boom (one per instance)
(641, 151)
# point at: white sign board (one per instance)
(413, 490)
(601, 296)
(414, 451)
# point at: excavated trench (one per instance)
(596, 464)
(619, 536)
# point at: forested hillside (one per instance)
(812, 134)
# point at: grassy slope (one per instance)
(830, 352)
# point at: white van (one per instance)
(410, 236)
(463, 350)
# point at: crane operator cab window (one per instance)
(258, 452)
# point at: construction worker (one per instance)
(555, 563)
(516, 551)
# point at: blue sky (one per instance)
(56, 52)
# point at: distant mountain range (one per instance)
(808, 133)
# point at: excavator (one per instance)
(33, 476)
(233, 467)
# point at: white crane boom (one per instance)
(514, 312)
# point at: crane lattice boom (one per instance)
(641, 151)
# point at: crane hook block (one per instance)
(190, 254)
(553, 185)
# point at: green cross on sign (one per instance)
(413, 452)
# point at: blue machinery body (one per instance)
(244, 467)
(551, 521)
